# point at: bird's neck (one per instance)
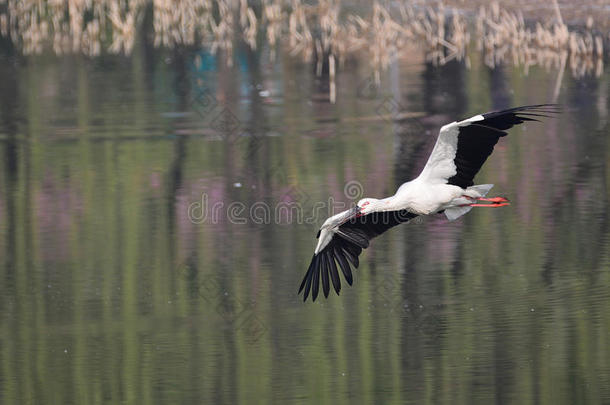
(389, 204)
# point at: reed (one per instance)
(504, 37)
(314, 32)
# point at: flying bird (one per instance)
(445, 185)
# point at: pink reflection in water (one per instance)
(58, 209)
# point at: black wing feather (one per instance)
(353, 259)
(332, 269)
(344, 249)
(345, 269)
(324, 270)
(315, 281)
(307, 280)
(476, 141)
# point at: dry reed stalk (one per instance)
(319, 28)
(503, 36)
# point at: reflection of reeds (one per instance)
(318, 30)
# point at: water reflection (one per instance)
(111, 293)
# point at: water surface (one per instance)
(112, 293)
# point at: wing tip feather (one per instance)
(323, 269)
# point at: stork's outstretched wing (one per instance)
(344, 248)
(463, 146)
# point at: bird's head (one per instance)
(368, 205)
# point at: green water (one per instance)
(111, 292)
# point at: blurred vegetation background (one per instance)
(109, 131)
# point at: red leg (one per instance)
(489, 205)
(493, 199)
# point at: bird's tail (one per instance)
(482, 189)
(454, 213)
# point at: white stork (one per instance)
(445, 185)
